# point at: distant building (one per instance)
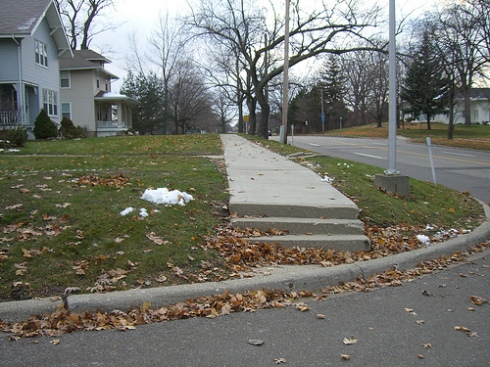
(87, 98)
(479, 105)
(32, 43)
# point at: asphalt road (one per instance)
(460, 169)
(411, 325)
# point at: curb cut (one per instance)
(288, 278)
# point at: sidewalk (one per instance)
(259, 185)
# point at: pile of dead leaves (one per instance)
(64, 321)
(115, 181)
(241, 253)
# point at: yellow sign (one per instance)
(245, 118)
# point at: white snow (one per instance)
(327, 179)
(166, 197)
(127, 211)
(424, 239)
(160, 196)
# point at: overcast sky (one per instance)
(141, 16)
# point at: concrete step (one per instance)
(301, 226)
(336, 242)
(326, 209)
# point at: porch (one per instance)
(113, 113)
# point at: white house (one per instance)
(87, 98)
(479, 106)
(32, 41)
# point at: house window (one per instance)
(50, 102)
(98, 83)
(65, 79)
(41, 53)
(66, 110)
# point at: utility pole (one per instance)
(392, 181)
(285, 82)
(392, 94)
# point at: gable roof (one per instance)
(480, 93)
(21, 18)
(476, 94)
(86, 60)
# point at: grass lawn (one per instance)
(61, 223)
(471, 137)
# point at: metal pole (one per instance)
(285, 84)
(323, 111)
(392, 95)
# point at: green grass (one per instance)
(428, 204)
(471, 137)
(61, 201)
(46, 213)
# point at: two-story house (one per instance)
(32, 41)
(87, 98)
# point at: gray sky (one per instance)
(141, 16)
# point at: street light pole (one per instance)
(392, 94)
(285, 84)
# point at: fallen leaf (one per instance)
(280, 360)
(345, 357)
(427, 346)
(320, 316)
(55, 341)
(255, 342)
(477, 300)
(161, 279)
(350, 341)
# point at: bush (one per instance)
(17, 137)
(44, 128)
(70, 131)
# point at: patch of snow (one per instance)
(127, 211)
(327, 179)
(166, 197)
(424, 239)
(143, 213)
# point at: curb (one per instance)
(288, 278)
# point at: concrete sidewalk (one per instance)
(268, 191)
(256, 187)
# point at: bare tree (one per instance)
(242, 24)
(460, 31)
(79, 17)
(188, 97)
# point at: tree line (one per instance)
(223, 60)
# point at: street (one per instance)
(460, 169)
(431, 321)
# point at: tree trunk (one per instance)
(450, 127)
(262, 129)
(467, 105)
(428, 122)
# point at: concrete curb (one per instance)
(306, 277)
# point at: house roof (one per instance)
(480, 93)
(114, 97)
(86, 60)
(20, 19)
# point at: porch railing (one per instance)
(112, 125)
(8, 118)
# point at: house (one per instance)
(479, 106)
(32, 42)
(87, 98)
